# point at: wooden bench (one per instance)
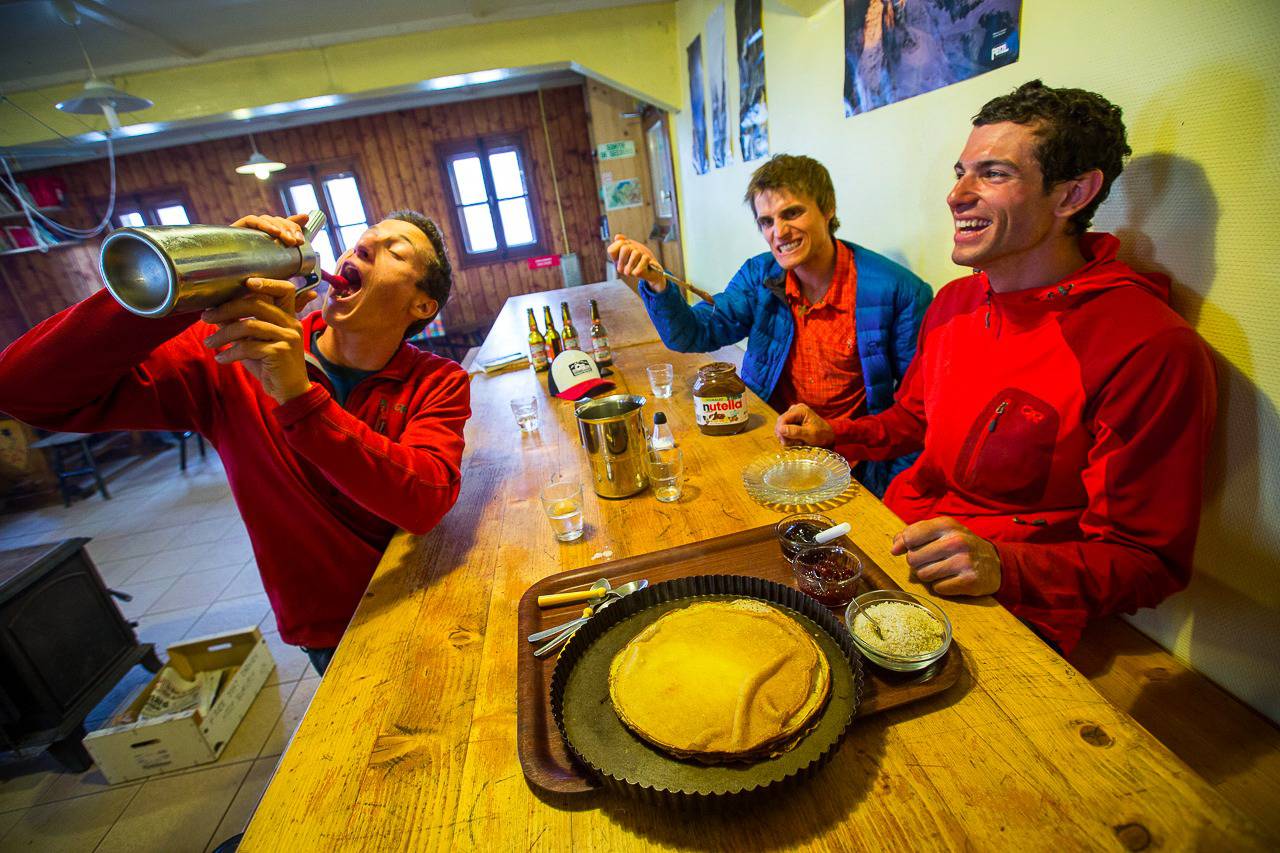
(1233, 747)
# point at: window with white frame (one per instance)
(493, 202)
(336, 193)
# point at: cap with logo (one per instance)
(574, 374)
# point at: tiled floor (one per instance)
(175, 542)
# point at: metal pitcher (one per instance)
(156, 271)
(612, 431)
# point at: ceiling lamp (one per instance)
(98, 96)
(101, 97)
(258, 164)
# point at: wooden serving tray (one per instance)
(547, 765)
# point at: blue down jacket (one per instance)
(890, 305)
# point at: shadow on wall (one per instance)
(1165, 212)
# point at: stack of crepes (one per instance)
(720, 681)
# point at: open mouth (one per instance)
(789, 246)
(970, 226)
(346, 282)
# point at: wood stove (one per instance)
(63, 646)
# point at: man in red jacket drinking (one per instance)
(1063, 409)
(333, 431)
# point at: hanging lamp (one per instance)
(98, 96)
(258, 164)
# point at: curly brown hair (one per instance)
(437, 282)
(1078, 131)
(799, 175)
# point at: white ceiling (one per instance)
(124, 36)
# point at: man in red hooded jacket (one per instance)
(1063, 409)
(333, 431)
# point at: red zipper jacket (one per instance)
(322, 488)
(1067, 424)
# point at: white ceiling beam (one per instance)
(97, 12)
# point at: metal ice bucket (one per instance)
(612, 432)
(157, 271)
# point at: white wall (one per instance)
(1200, 200)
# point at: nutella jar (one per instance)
(718, 403)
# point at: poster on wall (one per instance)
(697, 108)
(753, 113)
(621, 194)
(897, 49)
(721, 147)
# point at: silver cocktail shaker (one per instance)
(157, 271)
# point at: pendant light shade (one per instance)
(259, 165)
(99, 96)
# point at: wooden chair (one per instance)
(63, 448)
(182, 446)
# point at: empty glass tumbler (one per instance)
(666, 473)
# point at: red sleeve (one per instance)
(412, 482)
(96, 367)
(1152, 422)
(896, 431)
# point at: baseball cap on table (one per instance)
(574, 375)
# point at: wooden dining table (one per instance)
(624, 317)
(411, 740)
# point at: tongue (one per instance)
(337, 282)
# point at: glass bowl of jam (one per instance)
(829, 573)
(796, 532)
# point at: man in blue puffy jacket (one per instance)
(828, 323)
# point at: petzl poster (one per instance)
(697, 108)
(721, 147)
(897, 49)
(753, 112)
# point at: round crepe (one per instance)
(720, 680)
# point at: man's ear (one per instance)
(424, 307)
(1079, 192)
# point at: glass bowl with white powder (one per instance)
(897, 630)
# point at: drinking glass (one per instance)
(666, 473)
(526, 411)
(829, 573)
(562, 502)
(660, 380)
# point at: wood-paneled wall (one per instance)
(396, 162)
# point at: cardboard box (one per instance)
(135, 750)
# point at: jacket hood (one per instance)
(1101, 271)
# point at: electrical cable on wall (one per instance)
(11, 185)
(555, 183)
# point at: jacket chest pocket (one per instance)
(1008, 453)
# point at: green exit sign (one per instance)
(616, 150)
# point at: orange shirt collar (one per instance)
(839, 282)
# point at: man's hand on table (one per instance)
(802, 425)
(261, 330)
(636, 260)
(949, 557)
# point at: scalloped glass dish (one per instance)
(796, 476)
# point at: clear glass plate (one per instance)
(796, 476)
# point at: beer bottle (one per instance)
(599, 338)
(537, 346)
(554, 345)
(569, 333)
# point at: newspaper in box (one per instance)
(188, 711)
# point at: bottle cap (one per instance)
(659, 417)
